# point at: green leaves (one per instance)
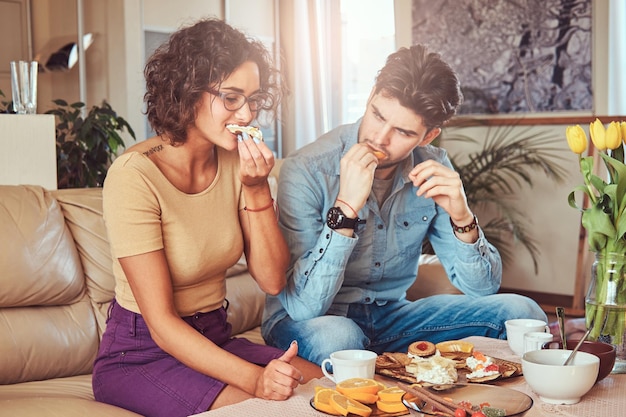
(604, 220)
(86, 146)
(493, 175)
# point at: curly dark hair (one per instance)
(422, 82)
(197, 58)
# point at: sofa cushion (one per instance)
(60, 406)
(82, 209)
(47, 326)
(38, 259)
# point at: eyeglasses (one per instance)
(234, 101)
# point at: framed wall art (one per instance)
(513, 57)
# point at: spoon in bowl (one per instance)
(582, 339)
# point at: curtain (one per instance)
(617, 58)
(311, 46)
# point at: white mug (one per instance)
(516, 328)
(352, 363)
(536, 340)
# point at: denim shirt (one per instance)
(328, 270)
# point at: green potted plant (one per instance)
(86, 145)
(493, 174)
(4, 105)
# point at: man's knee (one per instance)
(319, 337)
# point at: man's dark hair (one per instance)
(422, 82)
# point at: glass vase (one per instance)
(605, 304)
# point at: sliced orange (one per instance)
(362, 385)
(362, 397)
(345, 405)
(450, 346)
(391, 394)
(321, 401)
(391, 406)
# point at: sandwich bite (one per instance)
(252, 131)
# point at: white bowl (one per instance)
(557, 384)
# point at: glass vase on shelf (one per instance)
(605, 304)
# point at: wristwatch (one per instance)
(336, 219)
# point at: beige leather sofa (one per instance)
(55, 287)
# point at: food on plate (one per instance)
(455, 349)
(471, 365)
(252, 131)
(421, 348)
(321, 401)
(434, 369)
(482, 368)
(391, 394)
(423, 398)
(391, 406)
(392, 360)
(366, 385)
(346, 405)
(352, 395)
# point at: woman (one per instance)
(180, 208)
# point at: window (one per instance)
(368, 37)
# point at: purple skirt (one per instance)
(132, 372)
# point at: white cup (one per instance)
(517, 328)
(535, 340)
(352, 363)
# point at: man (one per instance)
(355, 208)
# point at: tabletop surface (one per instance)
(606, 398)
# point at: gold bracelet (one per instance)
(271, 204)
(464, 229)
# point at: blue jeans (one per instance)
(395, 325)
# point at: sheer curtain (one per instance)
(617, 58)
(311, 42)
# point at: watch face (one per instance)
(334, 218)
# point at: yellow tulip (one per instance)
(576, 139)
(622, 126)
(598, 133)
(613, 136)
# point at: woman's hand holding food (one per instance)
(256, 161)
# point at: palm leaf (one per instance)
(494, 175)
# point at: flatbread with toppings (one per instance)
(392, 360)
(398, 365)
(252, 131)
